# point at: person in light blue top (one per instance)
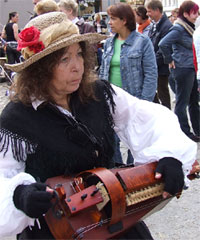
(128, 60)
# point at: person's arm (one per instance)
(165, 45)
(3, 34)
(12, 220)
(16, 31)
(164, 30)
(102, 68)
(151, 131)
(196, 38)
(149, 70)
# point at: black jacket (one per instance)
(162, 28)
(85, 27)
(102, 23)
(77, 141)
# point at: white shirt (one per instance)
(196, 38)
(150, 130)
(75, 20)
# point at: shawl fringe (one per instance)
(20, 146)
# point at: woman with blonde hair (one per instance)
(99, 24)
(46, 6)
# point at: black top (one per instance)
(58, 144)
(9, 32)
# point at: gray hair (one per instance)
(69, 5)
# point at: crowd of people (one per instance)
(66, 116)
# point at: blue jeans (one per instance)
(117, 153)
(99, 56)
(187, 96)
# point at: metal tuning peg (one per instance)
(94, 192)
(84, 196)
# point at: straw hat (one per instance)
(48, 33)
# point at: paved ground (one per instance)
(179, 220)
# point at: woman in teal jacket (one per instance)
(176, 47)
(128, 60)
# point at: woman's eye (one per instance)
(63, 60)
(80, 54)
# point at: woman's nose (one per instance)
(76, 64)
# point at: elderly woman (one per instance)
(46, 6)
(61, 120)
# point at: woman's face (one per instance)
(68, 73)
(116, 24)
(67, 12)
(192, 17)
(15, 19)
(98, 18)
(138, 19)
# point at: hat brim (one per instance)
(88, 37)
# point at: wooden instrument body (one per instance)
(76, 211)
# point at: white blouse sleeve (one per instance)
(196, 39)
(151, 131)
(12, 220)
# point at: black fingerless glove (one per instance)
(32, 199)
(172, 173)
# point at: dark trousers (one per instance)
(117, 157)
(2, 53)
(13, 55)
(162, 96)
(187, 96)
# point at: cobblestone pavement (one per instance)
(179, 220)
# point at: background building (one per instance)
(25, 8)
(168, 5)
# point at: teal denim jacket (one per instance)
(137, 65)
(177, 46)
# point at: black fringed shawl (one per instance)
(52, 143)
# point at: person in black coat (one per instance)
(159, 29)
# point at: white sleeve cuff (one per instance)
(12, 220)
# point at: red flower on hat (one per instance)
(38, 47)
(29, 37)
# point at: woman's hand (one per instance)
(171, 171)
(34, 199)
(172, 65)
(198, 88)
